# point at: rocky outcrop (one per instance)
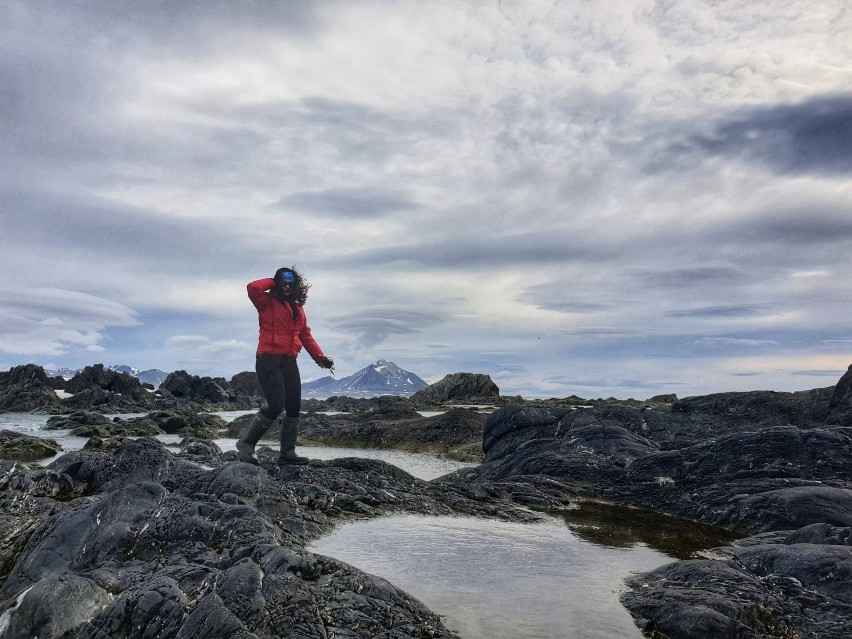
(840, 405)
(785, 585)
(768, 478)
(245, 387)
(26, 388)
(203, 390)
(764, 464)
(456, 434)
(135, 537)
(106, 390)
(460, 388)
(99, 377)
(805, 409)
(14, 445)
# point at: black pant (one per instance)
(281, 383)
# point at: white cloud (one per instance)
(201, 355)
(568, 195)
(47, 321)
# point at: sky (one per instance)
(605, 199)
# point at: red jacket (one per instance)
(280, 332)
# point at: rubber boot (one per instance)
(289, 433)
(245, 446)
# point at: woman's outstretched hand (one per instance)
(325, 362)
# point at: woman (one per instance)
(283, 331)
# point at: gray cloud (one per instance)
(299, 132)
(375, 324)
(109, 234)
(817, 372)
(182, 26)
(733, 341)
(734, 310)
(49, 303)
(793, 227)
(564, 297)
(490, 250)
(813, 136)
(690, 277)
(51, 321)
(349, 203)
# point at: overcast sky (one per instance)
(619, 198)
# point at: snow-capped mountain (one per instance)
(152, 376)
(381, 378)
(65, 373)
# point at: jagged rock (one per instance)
(26, 388)
(23, 376)
(759, 588)
(245, 386)
(460, 387)
(14, 445)
(183, 551)
(97, 377)
(767, 479)
(182, 385)
(840, 405)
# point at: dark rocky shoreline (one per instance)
(206, 546)
(138, 541)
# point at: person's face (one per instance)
(288, 284)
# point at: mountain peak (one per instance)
(380, 378)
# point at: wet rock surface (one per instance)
(796, 585)
(142, 542)
(721, 460)
(22, 447)
(456, 433)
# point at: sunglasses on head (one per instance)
(288, 276)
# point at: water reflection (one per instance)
(497, 579)
(622, 527)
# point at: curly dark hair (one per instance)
(302, 285)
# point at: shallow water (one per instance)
(492, 579)
(420, 465)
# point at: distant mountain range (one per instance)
(381, 378)
(152, 376)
